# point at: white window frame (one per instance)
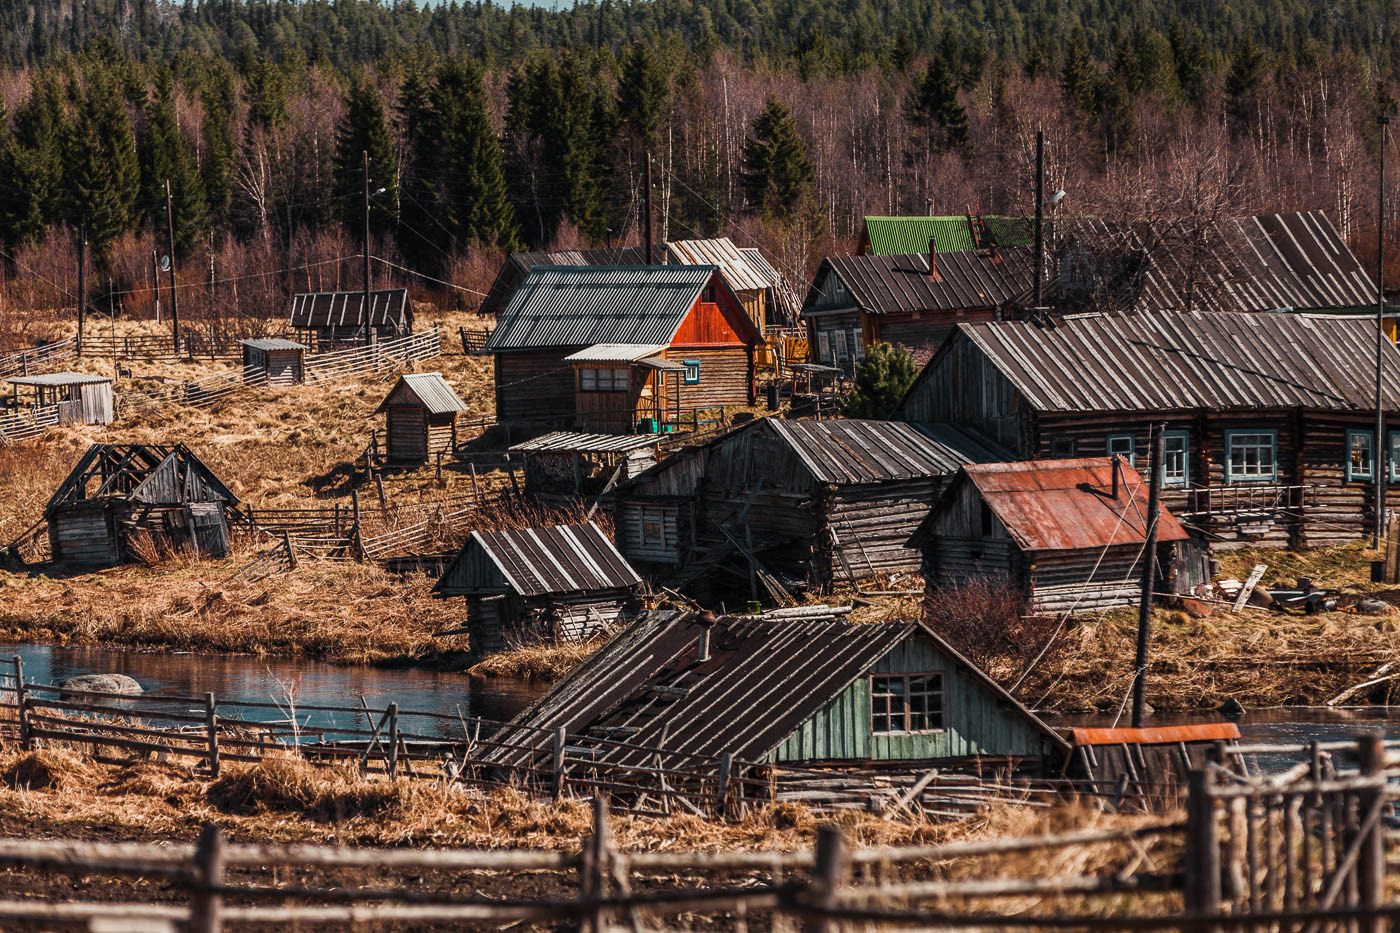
(1369, 474)
(1169, 478)
(1130, 454)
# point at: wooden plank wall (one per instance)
(961, 387)
(726, 376)
(873, 522)
(81, 533)
(407, 433)
(535, 386)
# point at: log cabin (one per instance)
(1064, 535)
(1269, 418)
(79, 398)
(274, 361)
(118, 494)
(611, 349)
(527, 586)
(420, 418)
(327, 320)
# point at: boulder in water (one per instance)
(102, 683)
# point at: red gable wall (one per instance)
(722, 323)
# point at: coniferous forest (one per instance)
(775, 122)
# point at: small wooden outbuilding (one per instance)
(420, 417)
(1069, 535)
(328, 319)
(119, 491)
(565, 464)
(81, 398)
(530, 585)
(274, 361)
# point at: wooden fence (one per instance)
(38, 359)
(192, 344)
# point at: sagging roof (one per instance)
(273, 343)
(518, 265)
(570, 442)
(764, 678)
(970, 279)
(428, 390)
(150, 473)
(615, 353)
(721, 252)
(846, 451)
(388, 308)
(549, 561)
(1061, 505)
(895, 235)
(1187, 360)
(575, 306)
(53, 380)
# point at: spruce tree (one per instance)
(778, 174)
(102, 177)
(1080, 75)
(39, 132)
(364, 128)
(882, 378)
(643, 92)
(21, 208)
(218, 98)
(166, 156)
(934, 112)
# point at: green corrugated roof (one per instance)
(890, 236)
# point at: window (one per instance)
(1062, 448)
(1395, 456)
(1361, 454)
(1123, 445)
(1251, 456)
(906, 703)
(840, 345)
(653, 527)
(588, 380)
(857, 347)
(692, 372)
(1176, 458)
(824, 346)
(602, 380)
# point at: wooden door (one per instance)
(208, 528)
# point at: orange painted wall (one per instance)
(722, 323)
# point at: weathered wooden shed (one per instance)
(813, 502)
(566, 464)
(677, 688)
(80, 398)
(117, 491)
(1069, 535)
(420, 417)
(531, 585)
(327, 319)
(274, 361)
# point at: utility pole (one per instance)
(646, 193)
(170, 242)
(1379, 459)
(1149, 577)
(1037, 300)
(369, 323)
(82, 282)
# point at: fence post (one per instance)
(476, 490)
(393, 741)
(1370, 865)
(291, 551)
(828, 874)
(211, 718)
(21, 702)
(1202, 862)
(594, 863)
(209, 874)
(559, 777)
(726, 767)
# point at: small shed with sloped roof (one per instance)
(329, 318)
(569, 464)
(80, 398)
(420, 418)
(274, 361)
(524, 586)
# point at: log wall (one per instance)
(535, 386)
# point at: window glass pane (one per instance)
(588, 380)
(1123, 445)
(1175, 451)
(1359, 460)
(1251, 456)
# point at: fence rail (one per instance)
(37, 359)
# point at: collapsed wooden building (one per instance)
(1270, 423)
(1065, 535)
(327, 320)
(549, 585)
(802, 504)
(564, 464)
(121, 497)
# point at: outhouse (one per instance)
(420, 418)
(274, 361)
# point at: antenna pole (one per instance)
(170, 242)
(82, 282)
(369, 321)
(646, 193)
(1039, 214)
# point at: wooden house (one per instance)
(274, 361)
(518, 265)
(420, 418)
(120, 491)
(1067, 535)
(760, 289)
(325, 320)
(81, 398)
(1270, 418)
(614, 348)
(810, 502)
(676, 689)
(563, 464)
(540, 585)
(913, 299)
(895, 236)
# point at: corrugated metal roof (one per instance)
(430, 389)
(49, 380)
(722, 252)
(388, 307)
(1066, 505)
(1189, 360)
(273, 343)
(900, 235)
(518, 265)
(553, 560)
(615, 352)
(569, 442)
(763, 679)
(575, 306)
(965, 280)
(788, 303)
(850, 451)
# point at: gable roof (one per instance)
(157, 474)
(845, 451)
(900, 283)
(788, 304)
(764, 678)
(1171, 361)
(518, 265)
(429, 390)
(388, 307)
(575, 306)
(720, 251)
(895, 235)
(1060, 505)
(553, 560)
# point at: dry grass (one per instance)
(536, 662)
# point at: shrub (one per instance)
(986, 621)
(882, 378)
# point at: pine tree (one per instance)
(1080, 76)
(643, 92)
(934, 112)
(882, 378)
(39, 132)
(365, 128)
(21, 209)
(216, 133)
(778, 174)
(1246, 68)
(167, 157)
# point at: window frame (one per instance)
(1230, 435)
(601, 384)
(935, 685)
(823, 346)
(1185, 438)
(1131, 455)
(651, 516)
(1393, 451)
(1370, 436)
(687, 379)
(1069, 439)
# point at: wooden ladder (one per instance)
(980, 240)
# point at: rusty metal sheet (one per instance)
(1157, 735)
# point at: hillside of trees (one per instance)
(776, 123)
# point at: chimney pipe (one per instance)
(933, 261)
(702, 648)
(1117, 469)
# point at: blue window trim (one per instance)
(1185, 479)
(687, 380)
(1229, 448)
(1394, 465)
(1346, 453)
(1132, 446)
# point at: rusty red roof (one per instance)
(1157, 735)
(1066, 505)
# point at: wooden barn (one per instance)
(274, 361)
(1270, 420)
(769, 692)
(120, 491)
(1068, 535)
(420, 418)
(913, 299)
(81, 398)
(563, 464)
(616, 348)
(808, 502)
(325, 320)
(540, 585)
